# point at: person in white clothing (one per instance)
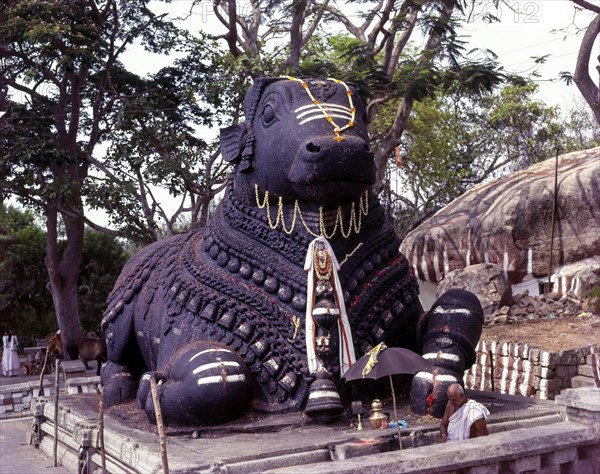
(10, 359)
(463, 418)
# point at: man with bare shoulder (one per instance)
(463, 418)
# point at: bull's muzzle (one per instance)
(321, 159)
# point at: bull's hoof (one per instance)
(208, 383)
(429, 393)
(118, 384)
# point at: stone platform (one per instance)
(525, 435)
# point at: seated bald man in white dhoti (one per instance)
(463, 418)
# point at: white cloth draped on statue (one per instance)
(460, 422)
(346, 344)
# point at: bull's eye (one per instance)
(268, 115)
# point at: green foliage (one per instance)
(455, 141)
(25, 302)
(103, 260)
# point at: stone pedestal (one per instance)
(583, 405)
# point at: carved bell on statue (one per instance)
(323, 397)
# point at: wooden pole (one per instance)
(491, 356)
(396, 413)
(43, 371)
(159, 425)
(100, 393)
(56, 414)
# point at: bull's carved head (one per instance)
(301, 139)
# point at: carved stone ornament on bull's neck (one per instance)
(325, 218)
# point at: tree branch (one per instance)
(581, 77)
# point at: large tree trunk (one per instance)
(393, 137)
(589, 90)
(63, 272)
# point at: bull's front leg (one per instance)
(205, 383)
(450, 331)
(125, 363)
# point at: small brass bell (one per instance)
(377, 418)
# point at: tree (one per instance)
(62, 89)
(586, 85)
(103, 259)
(453, 142)
(25, 303)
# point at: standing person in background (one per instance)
(10, 359)
(463, 418)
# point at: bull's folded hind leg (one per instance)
(118, 383)
(450, 331)
(206, 383)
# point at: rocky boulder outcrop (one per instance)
(527, 307)
(485, 280)
(508, 222)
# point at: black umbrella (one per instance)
(384, 361)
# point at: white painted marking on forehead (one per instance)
(300, 111)
(212, 365)
(319, 116)
(207, 351)
(217, 379)
(441, 309)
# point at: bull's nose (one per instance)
(312, 148)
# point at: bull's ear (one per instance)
(232, 142)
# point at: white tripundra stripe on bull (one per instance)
(438, 378)
(441, 355)
(207, 351)
(308, 109)
(324, 394)
(441, 309)
(308, 113)
(212, 365)
(318, 115)
(217, 379)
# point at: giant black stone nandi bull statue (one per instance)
(223, 316)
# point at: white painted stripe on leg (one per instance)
(441, 309)
(217, 379)
(441, 355)
(212, 365)
(207, 351)
(439, 378)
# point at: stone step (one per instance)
(586, 370)
(582, 381)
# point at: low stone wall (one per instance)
(18, 398)
(518, 369)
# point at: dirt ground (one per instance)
(548, 334)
